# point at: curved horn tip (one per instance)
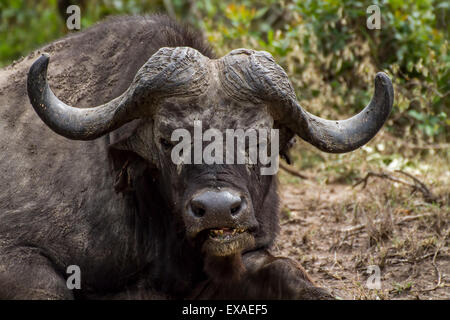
(38, 70)
(41, 62)
(45, 55)
(384, 78)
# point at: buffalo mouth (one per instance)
(225, 234)
(227, 241)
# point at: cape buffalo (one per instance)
(94, 186)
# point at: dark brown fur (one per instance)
(104, 208)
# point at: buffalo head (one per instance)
(225, 209)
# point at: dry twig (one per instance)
(292, 171)
(438, 275)
(359, 227)
(428, 196)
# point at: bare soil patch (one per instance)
(336, 231)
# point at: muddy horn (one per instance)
(345, 135)
(170, 71)
(249, 73)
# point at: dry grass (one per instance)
(337, 231)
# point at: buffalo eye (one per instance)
(167, 145)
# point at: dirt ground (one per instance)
(336, 231)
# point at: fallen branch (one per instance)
(438, 275)
(410, 218)
(359, 227)
(295, 220)
(378, 175)
(292, 171)
(415, 260)
(428, 196)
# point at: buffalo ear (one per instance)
(125, 164)
(285, 152)
(287, 141)
(130, 157)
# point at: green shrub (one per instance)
(324, 45)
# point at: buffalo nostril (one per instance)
(199, 212)
(197, 209)
(235, 208)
